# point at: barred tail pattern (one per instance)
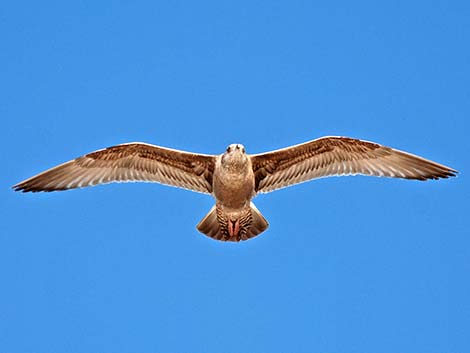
(234, 226)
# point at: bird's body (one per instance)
(234, 177)
(233, 216)
(233, 181)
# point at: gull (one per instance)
(234, 177)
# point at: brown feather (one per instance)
(127, 162)
(330, 156)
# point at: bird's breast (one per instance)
(233, 187)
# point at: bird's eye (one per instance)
(228, 149)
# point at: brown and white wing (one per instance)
(127, 162)
(330, 156)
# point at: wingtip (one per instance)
(445, 174)
(17, 187)
(20, 188)
(451, 173)
(25, 187)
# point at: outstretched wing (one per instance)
(128, 162)
(330, 156)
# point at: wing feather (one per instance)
(125, 163)
(329, 156)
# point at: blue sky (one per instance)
(352, 264)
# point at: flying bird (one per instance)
(234, 177)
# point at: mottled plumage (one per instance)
(234, 177)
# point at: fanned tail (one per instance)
(233, 226)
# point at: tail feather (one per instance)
(209, 225)
(258, 222)
(233, 226)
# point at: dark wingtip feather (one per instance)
(19, 187)
(444, 173)
(447, 173)
(28, 187)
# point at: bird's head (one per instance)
(235, 148)
(234, 155)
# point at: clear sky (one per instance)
(355, 264)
